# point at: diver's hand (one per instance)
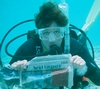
(77, 61)
(20, 65)
(79, 64)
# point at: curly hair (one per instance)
(48, 13)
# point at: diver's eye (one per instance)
(46, 33)
(57, 32)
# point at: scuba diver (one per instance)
(49, 39)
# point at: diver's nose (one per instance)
(52, 37)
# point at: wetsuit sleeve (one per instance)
(25, 51)
(92, 66)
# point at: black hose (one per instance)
(0, 58)
(86, 38)
(72, 27)
(7, 45)
(7, 35)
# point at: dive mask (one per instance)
(52, 33)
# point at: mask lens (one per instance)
(57, 32)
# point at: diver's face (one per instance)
(52, 35)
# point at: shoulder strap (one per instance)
(73, 34)
(32, 34)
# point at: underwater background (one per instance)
(13, 12)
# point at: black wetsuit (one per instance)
(32, 47)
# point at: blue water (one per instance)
(13, 12)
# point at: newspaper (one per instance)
(49, 72)
(49, 62)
